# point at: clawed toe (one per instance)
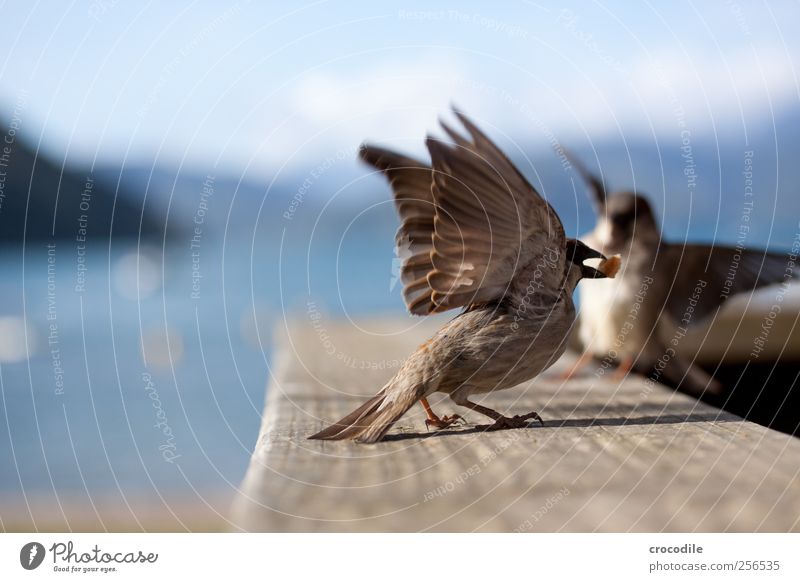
(531, 415)
(444, 422)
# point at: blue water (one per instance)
(85, 408)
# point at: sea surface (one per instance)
(142, 370)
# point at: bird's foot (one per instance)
(444, 422)
(519, 421)
(575, 370)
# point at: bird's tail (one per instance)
(372, 420)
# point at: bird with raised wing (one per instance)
(664, 289)
(481, 239)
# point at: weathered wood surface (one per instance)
(611, 457)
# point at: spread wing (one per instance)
(596, 186)
(490, 224)
(725, 271)
(411, 185)
(468, 225)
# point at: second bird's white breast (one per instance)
(610, 317)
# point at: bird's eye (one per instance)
(620, 219)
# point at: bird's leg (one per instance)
(500, 421)
(435, 421)
(577, 366)
(625, 366)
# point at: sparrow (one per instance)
(478, 237)
(637, 320)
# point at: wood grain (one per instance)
(611, 457)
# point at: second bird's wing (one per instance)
(702, 277)
(490, 223)
(596, 185)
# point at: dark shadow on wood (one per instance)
(578, 423)
(764, 392)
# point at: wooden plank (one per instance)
(611, 457)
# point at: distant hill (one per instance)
(40, 200)
(708, 207)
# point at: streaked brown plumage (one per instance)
(479, 238)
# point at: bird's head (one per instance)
(577, 253)
(624, 218)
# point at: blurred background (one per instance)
(178, 179)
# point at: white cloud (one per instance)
(325, 112)
(709, 91)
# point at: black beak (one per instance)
(591, 273)
(580, 253)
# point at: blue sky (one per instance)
(275, 86)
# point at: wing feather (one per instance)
(411, 185)
(469, 223)
(596, 185)
(490, 222)
(721, 271)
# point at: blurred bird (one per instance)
(479, 237)
(638, 319)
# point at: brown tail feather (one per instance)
(372, 420)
